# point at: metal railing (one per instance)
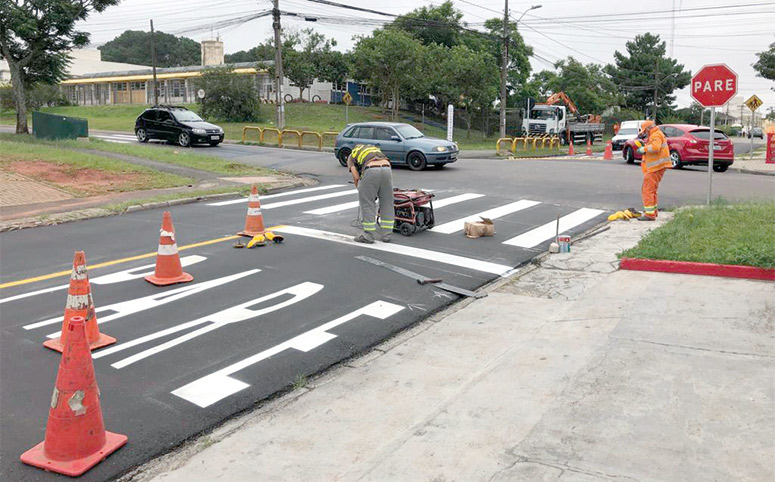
(542, 141)
(282, 136)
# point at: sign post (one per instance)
(450, 121)
(753, 103)
(347, 99)
(713, 86)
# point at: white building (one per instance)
(83, 61)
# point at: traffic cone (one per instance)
(168, 269)
(589, 148)
(254, 221)
(80, 303)
(76, 439)
(570, 149)
(609, 152)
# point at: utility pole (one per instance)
(656, 89)
(504, 68)
(278, 66)
(153, 61)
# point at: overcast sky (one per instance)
(589, 30)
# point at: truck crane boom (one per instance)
(562, 96)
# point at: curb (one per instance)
(101, 212)
(703, 269)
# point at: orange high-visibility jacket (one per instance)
(657, 155)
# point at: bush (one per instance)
(39, 95)
(229, 97)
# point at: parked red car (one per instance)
(689, 145)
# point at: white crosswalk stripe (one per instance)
(310, 199)
(536, 236)
(436, 204)
(426, 254)
(282, 194)
(457, 225)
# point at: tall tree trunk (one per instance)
(396, 101)
(19, 97)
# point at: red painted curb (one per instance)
(705, 269)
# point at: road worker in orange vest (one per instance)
(656, 159)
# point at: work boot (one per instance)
(646, 218)
(363, 239)
(386, 238)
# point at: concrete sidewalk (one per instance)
(573, 371)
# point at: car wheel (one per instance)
(675, 157)
(563, 138)
(720, 167)
(214, 144)
(141, 135)
(629, 155)
(416, 161)
(344, 153)
(407, 229)
(184, 139)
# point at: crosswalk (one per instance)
(532, 222)
(116, 138)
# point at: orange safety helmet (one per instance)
(646, 126)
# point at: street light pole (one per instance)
(505, 62)
(278, 66)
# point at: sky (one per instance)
(697, 32)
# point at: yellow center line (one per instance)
(119, 261)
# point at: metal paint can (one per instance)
(564, 242)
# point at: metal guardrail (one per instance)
(527, 141)
(282, 135)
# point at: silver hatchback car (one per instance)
(401, 143)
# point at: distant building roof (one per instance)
(146, 73)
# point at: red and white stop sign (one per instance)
(714, 85)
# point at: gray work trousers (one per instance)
(376, 182)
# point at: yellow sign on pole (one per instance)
(347, 98)
(754, 103)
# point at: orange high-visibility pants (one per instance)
(649, 191)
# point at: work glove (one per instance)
(641, 150)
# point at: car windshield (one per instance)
(409, 132)
(186, 116)
(627, 132)
(705, 134)
(542, 114)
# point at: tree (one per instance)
(470, 81)
(134, 47)
(433, 25)
(262, 52)
(589, 88)
(35, 38)
(389, 59)
(302, 66)
(765, 66)
(645, 75)
(229, 97)
(519, 54)
(333, 66)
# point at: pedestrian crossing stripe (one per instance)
(281, 194)
(534, 237)
(495, 213)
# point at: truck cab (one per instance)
(546, 119)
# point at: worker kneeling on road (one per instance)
(656, 158)
(374, 179)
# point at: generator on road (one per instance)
(548, 118)
(414, 211)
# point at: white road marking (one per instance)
(458, 224)
(215, 387)
(319, 197)
(125, 308)
(107, 279)
(228, 316)
(272, 196)
(470, 263)
(352, 205)
(536, 236)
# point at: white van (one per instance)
(627, 130)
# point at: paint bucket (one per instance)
(564, 242)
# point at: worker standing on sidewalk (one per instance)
(373, 177)
(656, 159)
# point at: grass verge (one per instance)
(740, 234)
(123, 206)
(82, 174)
(180, 156)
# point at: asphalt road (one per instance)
(254, 321)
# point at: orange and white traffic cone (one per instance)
(254, 221)
(570, 148)
(609, 152)
(589, 148)
(76, 439)
(80, 303)
(168, 268)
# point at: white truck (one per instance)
(548, 118)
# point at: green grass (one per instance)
(145, 178)
(740, 234)
(181, 156)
